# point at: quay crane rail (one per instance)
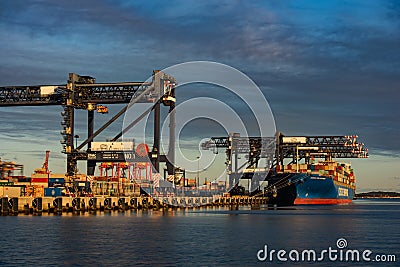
(81, 92)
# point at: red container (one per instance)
(39, 180)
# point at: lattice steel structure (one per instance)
(310, 146)
(81, 92)
(254, 148)
(328, 147)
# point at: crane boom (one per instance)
(291, 147)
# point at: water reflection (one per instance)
(206, 236)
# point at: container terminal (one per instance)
(300, 169)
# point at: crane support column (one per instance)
(91, 165)
(155, 155)
(171, 146)
(68, 132)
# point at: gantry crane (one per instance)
(45, 166)
(82, 92)
(276, 149)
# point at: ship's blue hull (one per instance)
(304, 188)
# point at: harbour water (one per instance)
(202, 237)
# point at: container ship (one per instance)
(291, 170)
(325, 182)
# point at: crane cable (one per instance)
(281, 184)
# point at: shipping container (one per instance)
(39, 175)
(23, 183)
(55, 182)
(57, 175)
(52, 192)
(39, 180)
(5, 183)
(10, 191)
(112, 146)
(47, 90)
(294, 140)
(43, 185)
(101, 178)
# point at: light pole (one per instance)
(198, 172)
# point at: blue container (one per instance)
(53, 182)
(52, 192)
(57, 180)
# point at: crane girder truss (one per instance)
(113, 93)
(254, 148)
(242, 145)
(28, 96)
(324, 146)
(84, 94)
(314, 146)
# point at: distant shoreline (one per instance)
(378, 194)
(376, 197)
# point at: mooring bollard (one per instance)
(76, 204)
(37, 204)
(93, 204)
(13, 206)
(57, 203)
(107, 204)
(145, 203)
(133, 203)
(26, 209)
(4, 206)
(121, 204)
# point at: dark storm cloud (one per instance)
(46, 40)
(279, 36)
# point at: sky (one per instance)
(325, 67)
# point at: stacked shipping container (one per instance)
(339, 172)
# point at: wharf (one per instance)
(59, 205)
